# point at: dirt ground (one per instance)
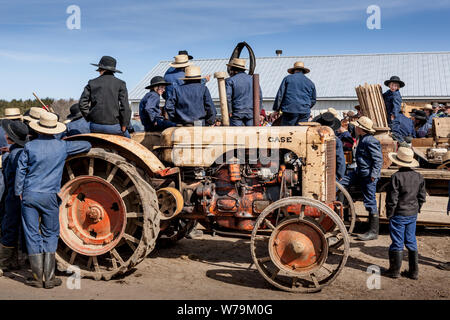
(217, 268)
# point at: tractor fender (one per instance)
(127, 148)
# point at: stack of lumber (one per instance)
(372, 105)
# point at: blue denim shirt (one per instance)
(79, 126)
(149, 110)
(191, 102)
(340, 160)
(172, 75)
(403, 127)
(297, 94)
(10, 167)
(393, 103)
(431, 117)
(369, 157)
(41, 163)
(3, 142)
(240, 95)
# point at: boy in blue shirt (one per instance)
(38, 181)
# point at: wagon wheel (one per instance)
(349, 212)
(293, 253)
(109, 216)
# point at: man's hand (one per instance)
(124, 128)
(208, 77)
(20, 197)
(4, 149)
(372, 178)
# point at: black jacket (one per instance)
(105, 101)
(406, 193)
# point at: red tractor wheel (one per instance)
(109, 216)
(292, 252)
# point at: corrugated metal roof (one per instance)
(426, 74)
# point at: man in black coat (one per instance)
(104, 101)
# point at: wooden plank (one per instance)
(441, 127)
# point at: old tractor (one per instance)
(275, 185)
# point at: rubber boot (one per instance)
(413, 272)
(37, 270)
(372, 233)
(49, 271)
(395, 264)
(6, 256)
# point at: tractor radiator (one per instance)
(330, 170)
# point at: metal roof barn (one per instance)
(426, 74)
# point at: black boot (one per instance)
(6, 257)
(49, 271)
(395, 264)
(37, 270)
(372, 233)
(413, 272)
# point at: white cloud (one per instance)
(31, 57)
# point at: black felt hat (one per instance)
(157, 81)
(329, 120)
(107, 63)
(419, 115)
(394, 79)
(16, 130)
(186, 53)
(75, 112)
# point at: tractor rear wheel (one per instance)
(109, 216)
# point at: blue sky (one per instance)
(38, 52)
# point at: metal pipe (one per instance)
(256, 102)
(220, 76)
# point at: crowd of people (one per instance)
(34, 153)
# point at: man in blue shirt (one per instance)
(149, 110)
(421, 124)
(77, 124)
(296, 96)
(239, 88)
(174, 74)
(328, 119)
(191, 102)
(369, 160)
(402, 128)
(16, 135)
(392, 97)
(38, 181)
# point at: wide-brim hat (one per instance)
(16, 130)
(48, 124)
(186, 53)
(328, 119)
(107, 63)
(33, 114)
(75, 112)
(404, 157)
(419, 115)
(157, 81)
(181, 61)
(394, 79)
(364, 123)
(193, 73)
(428, 107)
(299, 65)
(237, 63)
(12, 114)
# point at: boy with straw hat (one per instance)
(405, 196)
(38, 181)
(191, 102)
(369, 160)
(239, 88)
(175, 73)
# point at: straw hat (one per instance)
(428, 107)
(181, 61)
(48, 124)
(333, 112)
(193, 73)
(404, 157)
(364, 123)
(298, 65)
(12, 114)
(33, 114)
(237, 63)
